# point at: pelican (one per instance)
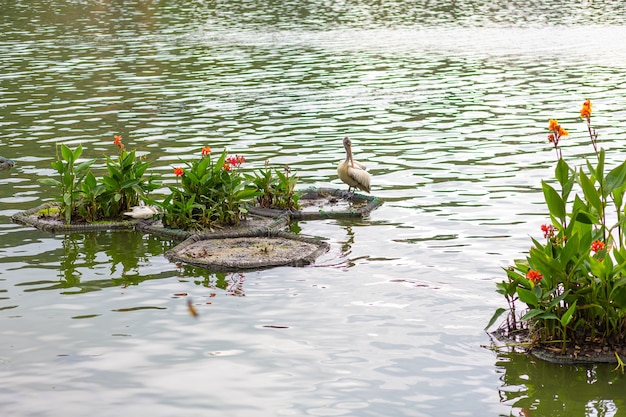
(142, 212)
(351, 172)
(6, 163)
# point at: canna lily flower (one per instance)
(206, 150)
(534, 276)
(597, 246)
(585, 112)
(548, 230)
(118, 141)
(226, 166)
(178, 171)
(236, 160)
(557, 132)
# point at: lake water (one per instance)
(448, 103)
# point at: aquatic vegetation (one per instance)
(572, 284)
(276, 189)
(83, 197)
(209, 191)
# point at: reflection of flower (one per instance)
(534, 275)
(118, 141)
(178, 171)
(597, 246)
(205, 151)
(586, 110)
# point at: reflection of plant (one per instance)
(209, 192)
(574, 283)
(278, 191)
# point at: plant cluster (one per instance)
(83, 197)
(208, 192)
(276, 189)
(573, 283)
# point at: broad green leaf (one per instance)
(590, 192)
(77, 152)
(569, 314)
(615, 179)
(67, 154)
(562, 172)
(527, 297)
(83, 167)
(554, 201)
(531, 313)
(50, 181)
(584, 217)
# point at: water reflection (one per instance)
(534, 388)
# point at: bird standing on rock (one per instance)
(6, 163)
(351, 172)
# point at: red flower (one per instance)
(534, 276)
(597, 246)
(236, 160)
(178, 171)
(548, 230)
(205, 151)
(226, 166)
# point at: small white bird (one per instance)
(142, 212)
(351, 172)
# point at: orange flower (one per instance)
(557, 132)
(226, 166)
(597, 246)
(178, 171)
(553, 125)
(534, 276)
(586, 110)
(118, 141)
(206, 150)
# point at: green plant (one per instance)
(85, 198)
(208, 193)
(573, 284)
(70, 184)
(276, 191)
(125, 184)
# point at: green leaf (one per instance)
(615, 179)
(50, 181)
(77, 152)
(569, 314)
(590, 192)
(584, 217)
(527, 297)
(495, 317)
(554, 201)
(531, 313)
(67, 154)
(562, 171)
